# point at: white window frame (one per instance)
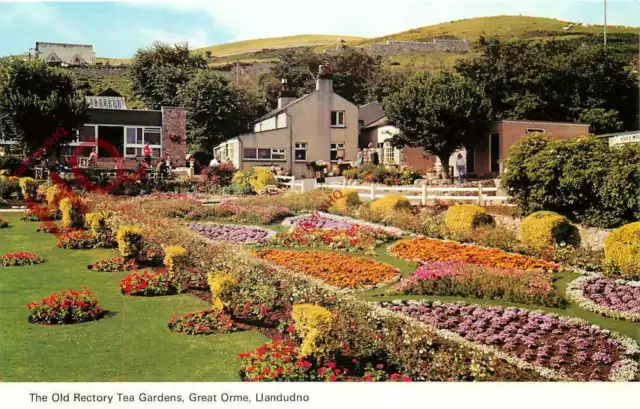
(340, 119)
(145, 129)
(389, 154)
(273, 151)
(300, 146)
(335, 147)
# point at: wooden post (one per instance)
(293, 183)
(480, 195)
(373, 191)
(424, 194)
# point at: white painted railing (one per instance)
(416, 194)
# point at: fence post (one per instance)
(424, 194)
(373, 191)
(293, 183)
(480, 195)
(344, 183)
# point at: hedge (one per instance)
(581, 178)
(548, 229)
(622, 249)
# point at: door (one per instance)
(494, 148)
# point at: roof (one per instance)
(377, 123)
(106, 102)
(526, 121)
(371, 112)
(101, 116)
(611, 135)
(284, 108)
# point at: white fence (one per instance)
(416, 194)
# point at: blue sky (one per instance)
(117, 29)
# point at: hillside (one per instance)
(504, 27)
(248, 46)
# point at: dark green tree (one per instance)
(439, 112)
(157, 73)
(36, 100)
(216, 110)
(555, 81)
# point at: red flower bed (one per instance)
(48, 228)
(116, 264)
(67, 307)
(3, 224)
(203, 323)
(76, 240)
(20, 259)
(148, 284)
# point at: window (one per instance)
(263, 154)
(336, 152)
(136, 138)
(337, 119)
(301, 152)
(360, 123)
(494, 150)
(389, 154)
(534, 130)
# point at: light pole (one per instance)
(605, 23)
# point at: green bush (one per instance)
(547, 229)
(581, 178)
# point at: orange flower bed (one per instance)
(338, 270)
(422, 249)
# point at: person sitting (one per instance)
(146, 151)
(93, 158)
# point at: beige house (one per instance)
(65, 54)
(321, 126)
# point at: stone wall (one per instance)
(413, 47)
(590, 237)
(174, 121)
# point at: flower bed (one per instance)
(355, 238)
(617, 299)
(32, 216)
(114, 265)
(203, 323)
(322, 220)
(48, 228)
(196, 279)
(3, 224)
(148, 284)
(240, 213)
(338, 270)
(455, 278)
(77, 240)
(569, 346)
(20, 259)
(231, 233)
(422, 249)
(67, 307)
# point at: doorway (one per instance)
(494, 148)
(111, 136)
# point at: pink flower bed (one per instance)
(231, 234)
(612, 298)
(571, 347)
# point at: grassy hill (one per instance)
(243, 47)
(504, 27)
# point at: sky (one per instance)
(118, 29)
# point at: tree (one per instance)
(35, 100)
(159, 71)
(216, 110)
(439, 112)
(555, 81)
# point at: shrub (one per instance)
(76, 240)
(29, 188)
(622, 249)
(261, 177)
(221, 175)
(20, 259)
(3, 224)
(581, 178)
(203, 323)
(53, 195)
(547, 229)
(241, 181)
(148, 284)
(130, 241)
(465, 217)
(343, 201)
(67, 307)
(390, 203)
(218, 284)
(116, 264)
(176, 259)
(9, 187)
(312, 324)
(72, 215)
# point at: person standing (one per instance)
(375, 159)
(93, 158)
(359, 158)
(146, 151)
(460, 165)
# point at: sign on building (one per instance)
(625, 139)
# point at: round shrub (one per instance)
(130, 241)
(343, 200)
(203, 323)
(547, 229)
(72, 215)
(29, 188)
(176, 259)
(464, 217)
(387, 204)
(622, 249)
(261, 177)
(149, 284)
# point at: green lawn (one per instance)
(134, 344)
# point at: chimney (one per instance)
(286, 96)
(325, 79)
